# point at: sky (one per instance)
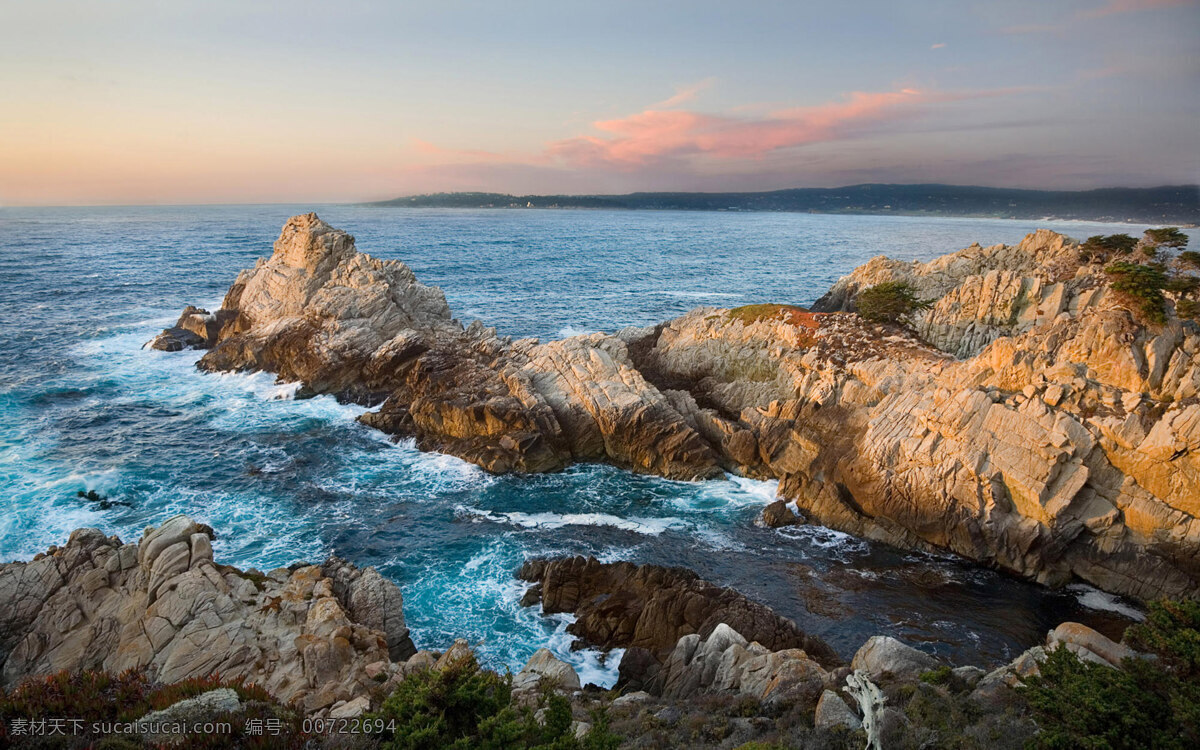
(126, 102)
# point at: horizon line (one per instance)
(1177, 186)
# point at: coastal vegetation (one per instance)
(1152, 701)
(1140, 281)
(792, 314)
(889, 302)
(464, 707)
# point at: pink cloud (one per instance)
(653, 135)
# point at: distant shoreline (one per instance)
(1177, 205)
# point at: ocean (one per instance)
(85, 407)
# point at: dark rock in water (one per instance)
(778, 514)
(196, 328)
(647, 609)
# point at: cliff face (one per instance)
(1031, 423)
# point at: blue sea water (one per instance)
(84, 406)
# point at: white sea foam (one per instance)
(1094, 598)
(716, 496)
(567, 332)
(592, 665)
(547, 520)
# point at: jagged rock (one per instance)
(546, 669)
(205, 707)
(725, 662)
(458, 651)
(832, 711)
(647, 609)
(163, 605)
(885, 658)
(372, 600)
(779, 514)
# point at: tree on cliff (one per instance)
(1166, 237)
(1099, 248)
(889, 302)
(1140, 286)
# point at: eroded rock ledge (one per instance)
(1041, 430)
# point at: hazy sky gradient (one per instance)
(201, 102)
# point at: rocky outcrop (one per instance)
(1030, 423)
(726, 662)
(306, 634)
(650, 610)
(1051, 435)
(344, 323)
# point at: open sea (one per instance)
(84, 407)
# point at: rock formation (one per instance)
(308, 634)
(1030, 423)
(649, 610)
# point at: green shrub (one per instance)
(1141, 286)
(1188, 309)
(939, 676)
(889, 302)
(1184, 286)
(1190, 259)
(1148, 703)
(1171, 632)
(462, 706)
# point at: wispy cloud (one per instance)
(685, 94)
(1116, 7)
(680, 141)
(938, 45)
(650, 137)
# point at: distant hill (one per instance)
(1160, 205)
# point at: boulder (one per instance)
(546, 669)
(778, 514)
(885, 658)
(1088, 645)
(206, 707)
(832, 711)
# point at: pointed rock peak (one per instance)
(309, 243)
(1044, 241)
